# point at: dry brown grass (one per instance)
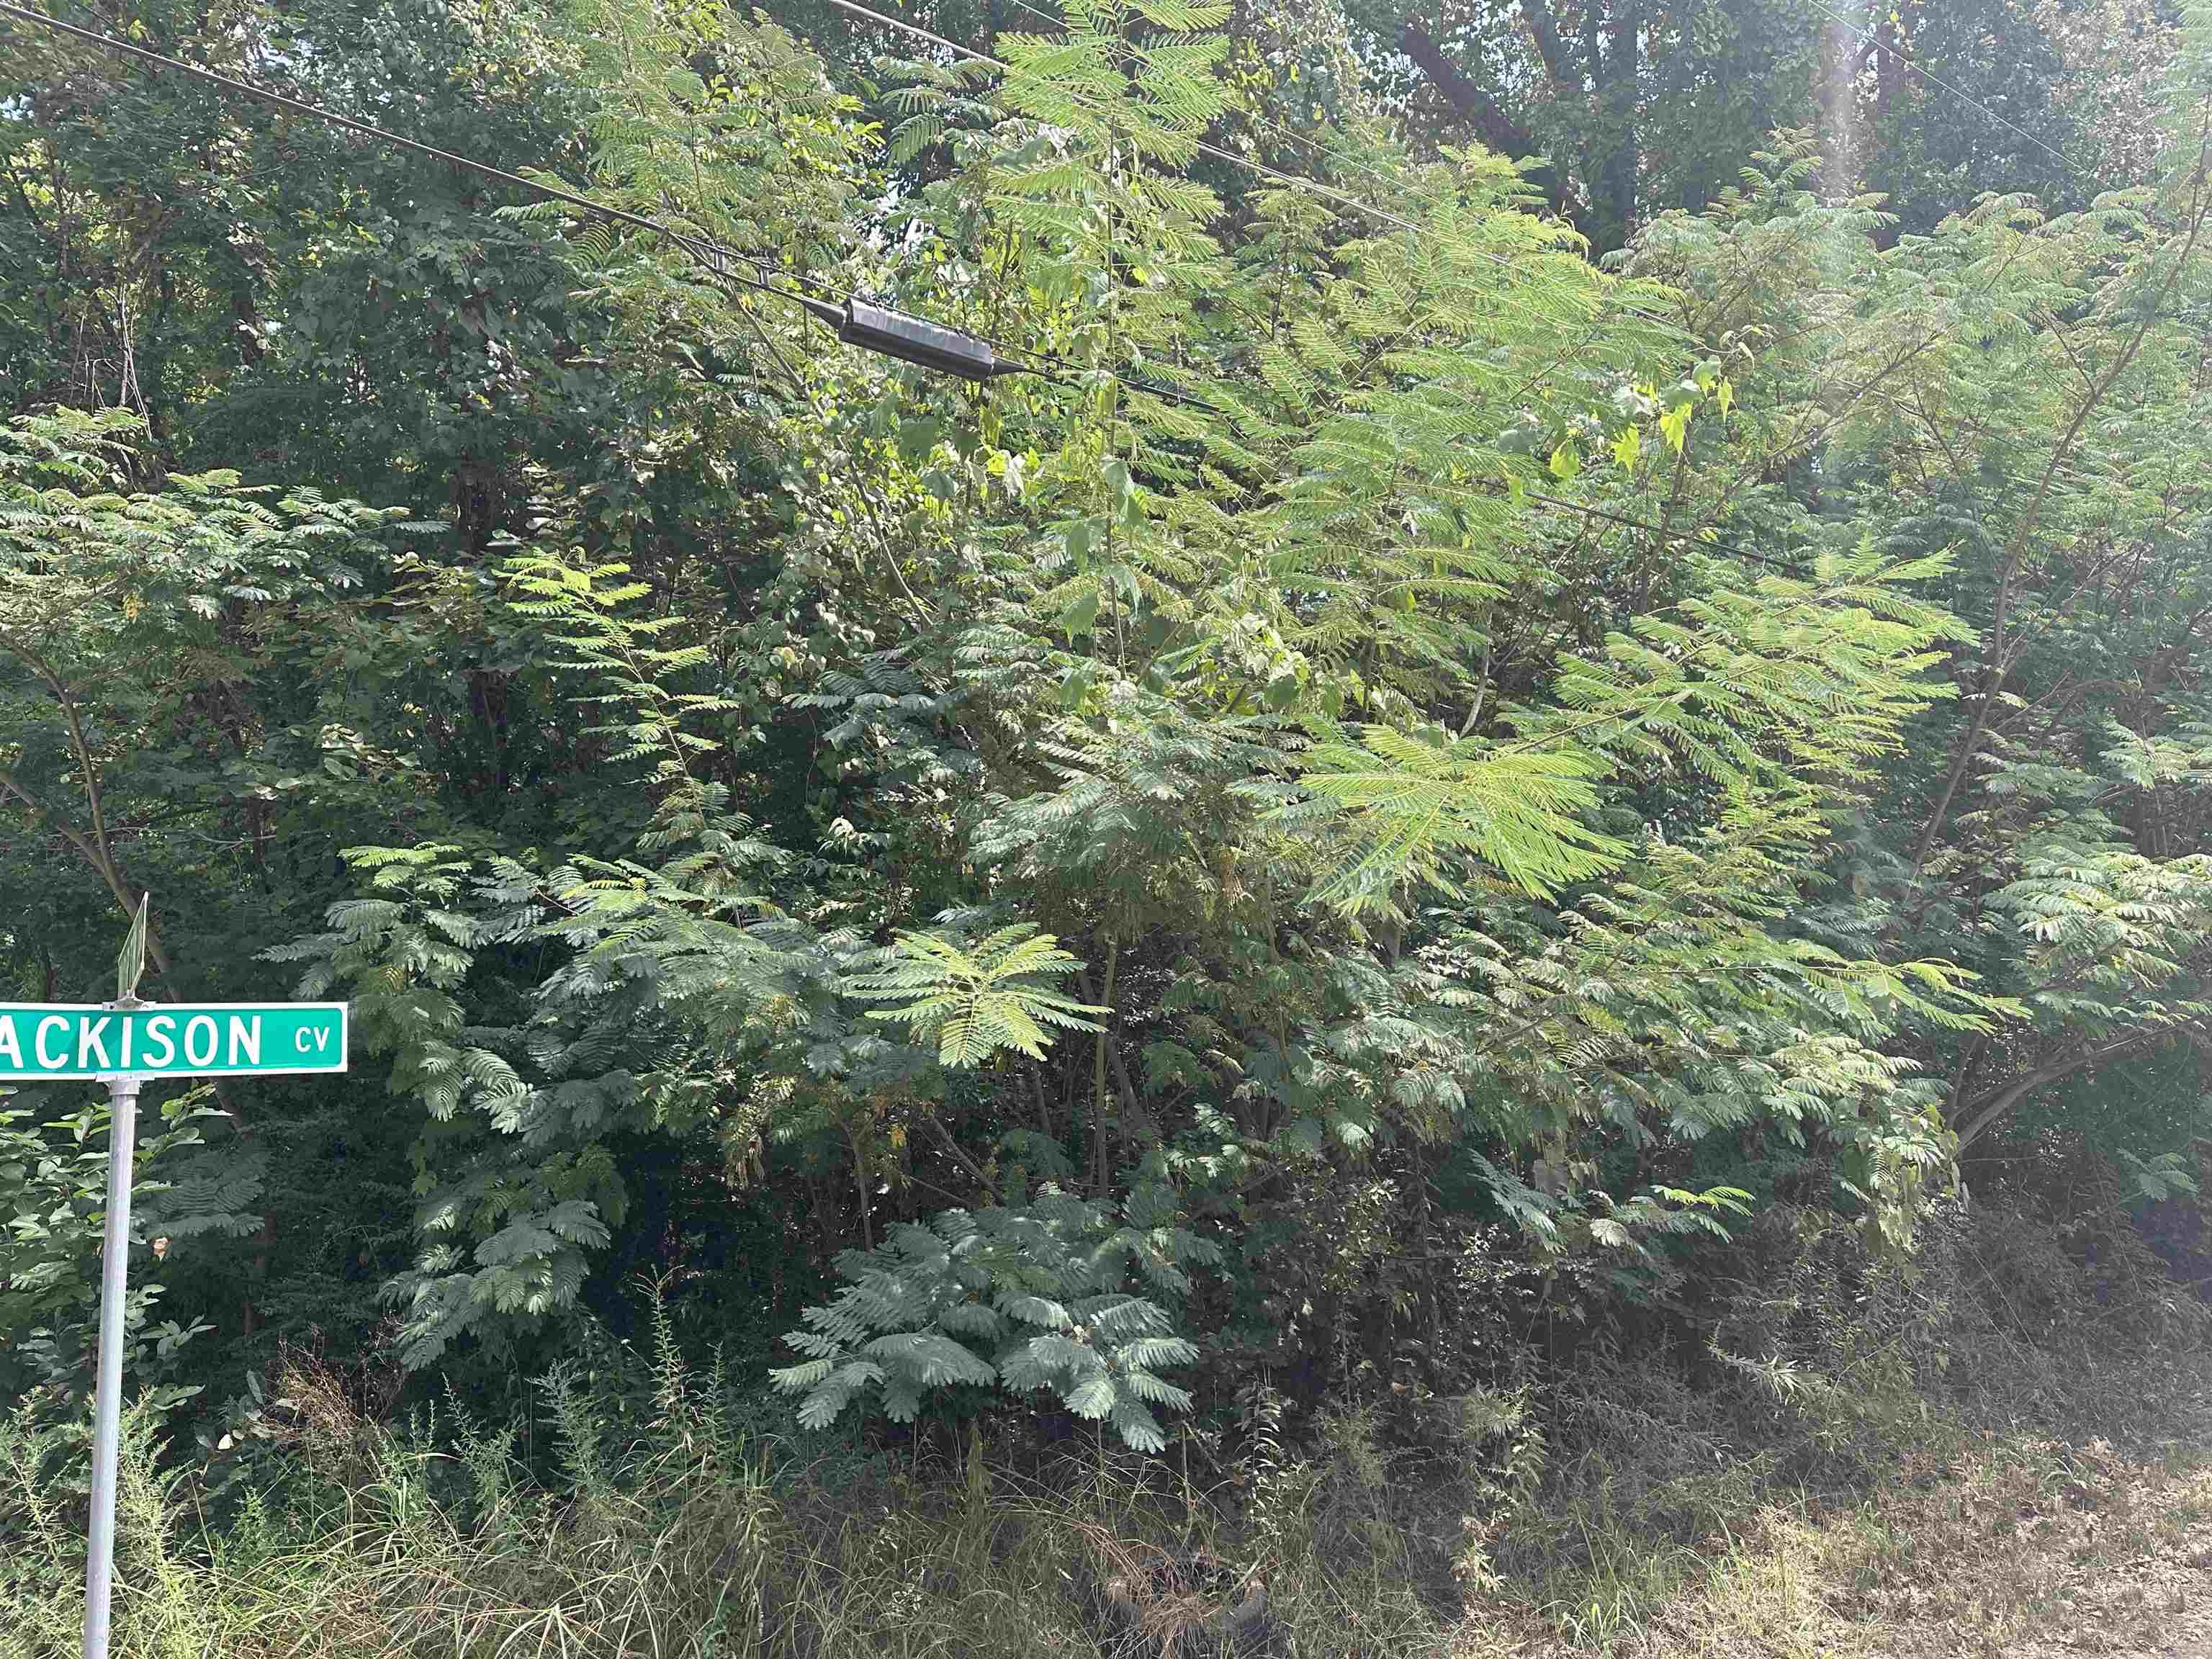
(1987, 1546)
(2024, 1548)
(1998, 1452)
(1830, 1489)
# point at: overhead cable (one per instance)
(859, 322)
(873, 327)
(1875, 40)
(1295, 180)
(314, 112)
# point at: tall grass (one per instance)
(692, 1537)
(1845, 1431)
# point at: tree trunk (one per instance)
(1470, 101)
(1098, 1090)
(1614, 215)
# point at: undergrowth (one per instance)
(1816, 1440)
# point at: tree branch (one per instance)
(1988, 1107)
(1549, 46)
(1999, 661)
(1468, 99)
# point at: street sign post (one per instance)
(121, 1043)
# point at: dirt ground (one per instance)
(2156, 1605)
(2029, 1550)
(2086, 1554)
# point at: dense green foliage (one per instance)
(1407, 774)
(1637, 106)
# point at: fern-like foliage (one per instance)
(1421, 805)
(587, 608)
(1407, 699)
(974, 1001)
(1811, 678)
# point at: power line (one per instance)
(1299, 181)
(914, 339)
(1872, 38)
(695, 245)
(1253, 116)
(1263, 120)
(872, 327)
(1420, 235)
(1296, 180)
(1875, 40)
(1374, 173)
(973, 56)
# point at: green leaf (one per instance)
(1082, 613)
(976, 1000)
(130, 960)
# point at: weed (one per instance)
(1805, 1478)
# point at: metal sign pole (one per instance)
(114, 1278)
(122, 1043)
(108, 1400)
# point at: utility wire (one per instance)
(1254, 116)
(699, 247)
(976, 56)
(713, 256)
(1377, 174)
(1299, 181)
(1871, 38)
(1875, 40)
(1322, 153)
(1296, 180)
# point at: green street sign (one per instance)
(50, 1040)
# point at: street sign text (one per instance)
(45, 1040)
